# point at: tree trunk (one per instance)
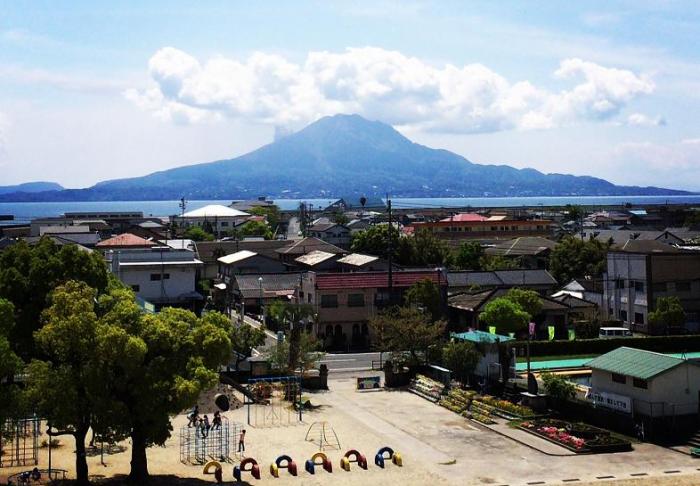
(294, 338)
(81, 467)
(139, 461)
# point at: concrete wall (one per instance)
(181, 281)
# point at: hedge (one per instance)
(660, 344)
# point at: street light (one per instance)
(262, 309)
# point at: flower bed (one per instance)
(506, 409)
(457, 400)
(560, 432)
(425, 387)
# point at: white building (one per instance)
(646, 384)
(221, 218)
(160, 275)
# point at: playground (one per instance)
(435, 446)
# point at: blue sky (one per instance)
(92, 91)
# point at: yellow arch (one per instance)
(323, 457)
(211, 464)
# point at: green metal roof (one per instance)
(636, 363)
(480, 337)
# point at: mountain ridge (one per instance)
(348, 155)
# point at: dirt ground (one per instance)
(438, 447)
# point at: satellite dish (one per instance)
(221, 401)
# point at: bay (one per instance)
(25, 211)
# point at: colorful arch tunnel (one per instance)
(353, 456)
(387, 453)
(247, 465)
(318, 459)
(283, 462)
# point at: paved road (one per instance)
(347, 362)
(293, 229)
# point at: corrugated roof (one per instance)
(500, 277)
(636, 363)
(314, 258)
(358, 280)
(525, 245)
(358, 259)
(480, 337)
(236, 257)
(273, 284)
(126, 240)
(307, 245)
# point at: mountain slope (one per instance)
(346, 154)
(31, 187)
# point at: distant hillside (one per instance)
(31, 187)
(348, 155)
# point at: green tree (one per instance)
(505, 315)
(375, 241)
(294, 317)
(195, 233)
(429, 250)
(257, 228)
(573, 257)
(308, 354)
(462, 358)
(668, 313)
(469, 256)
(406, 330)
(10, 364)
(528, 300)
(171, 357)
(339, 217)
(271, 213)
(29, 273)
(574, 212)
(244, 338)
(491, 263)
(65, 386)
(558, 387)
(426, 295)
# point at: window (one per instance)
(682, 286)
(623, 315)
(637, 383)
(157, 276)
(301, 294)
(135, 288)
(356, 300)
(619, 378)
(638, 286)
(638, 318)
(619, 284)
(224, 223)
(659, 287)
(329, 301)
(308, 297)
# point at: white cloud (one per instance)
(381, 84)
(67, 82)
(642, 120)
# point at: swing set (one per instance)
(272, 401)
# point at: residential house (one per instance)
(639, 272)
(253, 292)
(491, 356)
(333, 233)
(82, 235)
(246, 261)
(318, 261)
(529, 251)
(657, 390)
(606, 219)
(210, 251)
(345, 302)
(220, 219)
(464, 310)
(587, 289)
(621, 236)
(160, 275)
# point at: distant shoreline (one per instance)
(25, 211)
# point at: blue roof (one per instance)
(480, 337)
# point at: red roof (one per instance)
(377, 280)
(125, 240)
(464, 217)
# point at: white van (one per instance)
(614, 332)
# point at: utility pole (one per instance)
(389, 253)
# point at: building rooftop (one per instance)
(636, 363)
(314, 258)
(464, 217)
(209, 251)
(476, 302)
(273, 284)
(525, 245)
(358, 259)
(125, 240)
(500, 278)
(480, 337)
(307, 245)
(239, 256)
(645, 246)
(359, 280)
(215, 211)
